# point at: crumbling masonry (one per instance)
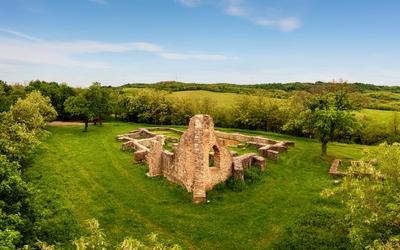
(198, 148)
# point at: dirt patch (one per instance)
(61, 123)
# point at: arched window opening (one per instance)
(214, 157)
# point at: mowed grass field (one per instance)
(95, 179)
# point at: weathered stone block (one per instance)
(139, 156)
(259, 161)
(334, 169)
(272, 155)
(127, 145)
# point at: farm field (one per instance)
(381, 116)
(224, 100)
(95, 179)
(227, 100)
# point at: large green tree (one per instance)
(327, 115)
(23, 123)
(57, 93)
(91, 103)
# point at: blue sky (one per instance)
(238, 41)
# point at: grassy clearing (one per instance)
(95, 179)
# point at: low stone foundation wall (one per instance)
(244, 138)
(166, 129)
(334, 169)
(240, 163)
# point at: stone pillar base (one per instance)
(198, 199)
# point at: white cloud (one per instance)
(30, 50)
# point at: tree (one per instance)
(78, 106)
(99, 101)
(90, 103)
(20, 127)
(147, 106)
(15, 214)
(58, 94)
(9, 94)
(372, 198)
(327, 115)
(259, 112)
(33, 111)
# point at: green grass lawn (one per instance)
(95, 179)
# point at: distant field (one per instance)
(95, 179)
(381, 116)
(229, 99)
(383, 100)
(222, 99)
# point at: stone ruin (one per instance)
(334, 169)
(198, 148)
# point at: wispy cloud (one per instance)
(189, 3)
(19, 34)
(242, 9)
(103, 2)
(184, 56)
(22, 48)
(284, 24)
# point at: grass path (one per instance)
(97, 180)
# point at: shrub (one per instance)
(235, 184)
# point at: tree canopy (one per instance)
(326, 115)
(89, 104)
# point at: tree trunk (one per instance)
(101, 121)
(86, 125)
(324, 146)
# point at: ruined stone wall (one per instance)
(199, 145)
(190, 165)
